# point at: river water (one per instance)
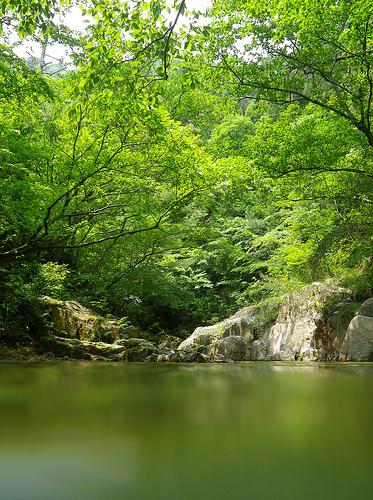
(255, 430)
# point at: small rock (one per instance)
(136, 349)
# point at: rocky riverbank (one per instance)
(319, 323)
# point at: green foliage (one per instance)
(302, 51)
(176, 174)
(51, 280)
(22, 316)
(30, 15)
(228, 138)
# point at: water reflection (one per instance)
(139, 431)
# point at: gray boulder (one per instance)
(241, 324)
(259, 350)
(234, 347)
(358, 342)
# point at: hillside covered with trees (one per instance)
(180, 166)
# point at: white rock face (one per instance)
(293, 338)
(299, 332)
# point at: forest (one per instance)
(177, 165)
(186, 249)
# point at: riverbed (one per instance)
(254, 430)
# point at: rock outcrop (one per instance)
(79, 333)
(310, 325)
(315, 324)
(358, 342)
(72, 320)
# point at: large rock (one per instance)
(71, 319)
(258, 350)
(358, 342)
(241, 324)
(234, 347)
(292, 338)
(332, 330)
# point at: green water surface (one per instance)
(256, 430)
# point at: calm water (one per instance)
(145, 431)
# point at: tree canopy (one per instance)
(184, 166)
